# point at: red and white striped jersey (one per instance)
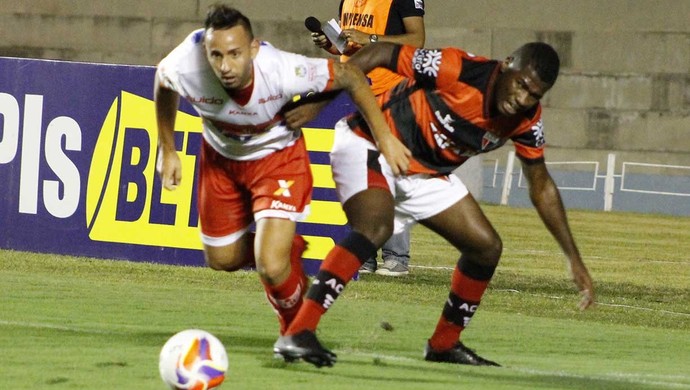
(255, 129)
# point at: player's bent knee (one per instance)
(496, 250)
(215, 265)
(375, 230)
(223, 264)
(274, 273)
(485, 250)
(491, 251)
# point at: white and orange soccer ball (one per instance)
(193, 359)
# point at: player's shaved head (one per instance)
(541, 56)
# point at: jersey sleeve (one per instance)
(301, 74)
(169, 67)
(408, 8)
(529, 143)
(168, 75)
(432, 68)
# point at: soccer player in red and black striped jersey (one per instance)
(453, 105)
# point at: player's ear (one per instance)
(254, 47)
(506, 63)
(203, 39)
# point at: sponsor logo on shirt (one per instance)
(270, 98)
(419, 4)
(445, 121)
(443, 141)
(312, 72)
(284, 189)
(205, 100)
(276, 204)
(240, 112)
(357, 20)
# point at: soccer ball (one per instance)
(193, 359)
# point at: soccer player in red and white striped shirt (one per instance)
(253, 166)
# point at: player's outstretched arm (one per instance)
(297, 115)
(547, 200)
(352, 79)
(168, 165)
(379, 54)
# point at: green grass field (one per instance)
(75, 323)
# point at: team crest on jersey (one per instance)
(538, 132)
(489, 139)
(301, 71)
(427, 62)
(309, 72)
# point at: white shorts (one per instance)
(357, 165)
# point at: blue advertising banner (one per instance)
(77, 167)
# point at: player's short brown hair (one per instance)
(222, 16)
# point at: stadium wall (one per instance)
(624, 85)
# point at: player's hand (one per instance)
(587, 300)
(396, 154)
(169, 169)
(302, 114)
(584, 283)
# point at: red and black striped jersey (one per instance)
(442, 111)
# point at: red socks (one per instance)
(336, 271)
(286, 298)
(463, 300)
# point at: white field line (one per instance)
(43, 325)
(507, 251)
(671, 381)
(560, 297)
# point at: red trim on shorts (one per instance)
(375, 177)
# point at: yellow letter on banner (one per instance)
(131, 113)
